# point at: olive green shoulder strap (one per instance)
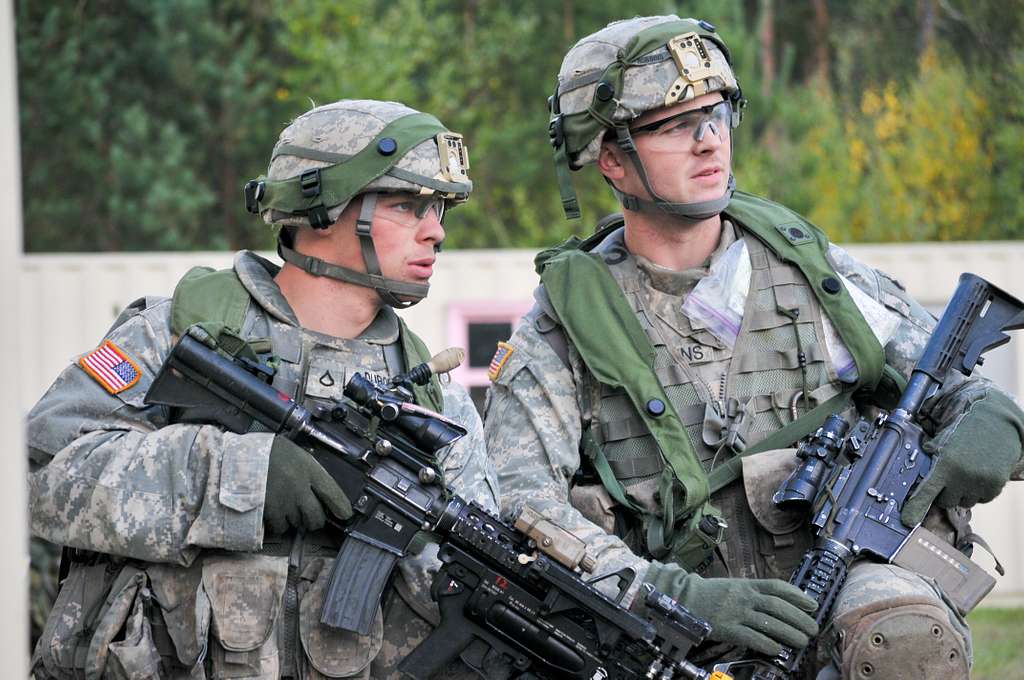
(216, 301)
(795, 240)
(604, 329)
(416, 352)
(604, 227)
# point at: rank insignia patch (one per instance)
(111, 367)
(501, 356)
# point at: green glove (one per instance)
(974, 457)
(298, 490)
(758, 614)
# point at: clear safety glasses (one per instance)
(409, 210)
(691, 125)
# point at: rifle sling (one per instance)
(732, 470)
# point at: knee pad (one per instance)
(900, 638)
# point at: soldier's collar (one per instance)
(383, 330)
(680, 283)
(257, 276)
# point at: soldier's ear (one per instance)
(611, 161)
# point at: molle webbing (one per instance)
(217, 302)
(591, 307)
(794, 239)
(617, 351)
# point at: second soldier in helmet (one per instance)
(695, 326)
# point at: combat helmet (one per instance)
(356, 148)
(611, 77)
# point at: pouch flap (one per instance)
(762, 474)
(965, 582)
(595, 503)
(113, 616)
(185, 606)
(245, 597)
(335, 653)
(136, 656)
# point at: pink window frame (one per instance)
(461, 314)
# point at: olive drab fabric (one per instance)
(620, 353)
(167, 517)
(217, 302)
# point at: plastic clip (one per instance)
(310, 183)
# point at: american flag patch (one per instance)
(502, 355)
(111, 367)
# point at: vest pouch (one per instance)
(182, 621)
(245, 594)
(136, 656)
(72, 644)
(783, 535)
(333, 653)
(595, 504)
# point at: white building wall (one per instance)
(70, 301)
(14, 576)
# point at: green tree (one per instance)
(137, 119)
(141, 121)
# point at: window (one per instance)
(478, 327)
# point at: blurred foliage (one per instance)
(140, 121)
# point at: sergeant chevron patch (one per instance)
(502, 355)
(111, 367)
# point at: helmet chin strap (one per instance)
(389, 290)
(694, 212)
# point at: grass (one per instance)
(998, 643)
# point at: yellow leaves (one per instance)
(914, 162)
(870, 103)
(858, 155)
(885, 109)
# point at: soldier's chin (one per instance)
(405, 299)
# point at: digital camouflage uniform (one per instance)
(727, 396)
(538, 407)
(174, 573)
(183, 505)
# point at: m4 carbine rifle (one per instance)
(856, 505)
(512, 589)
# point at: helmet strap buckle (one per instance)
(318, 217)
(254, 191)
(309, 182)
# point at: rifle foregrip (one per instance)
(442, 645)
(358, 577)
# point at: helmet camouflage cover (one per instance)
(357, 146)
(336, 152)
(611, 77)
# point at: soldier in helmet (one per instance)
(696, 327)
(201, 553)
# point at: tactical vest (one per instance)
(217, 301)
(655, 431)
